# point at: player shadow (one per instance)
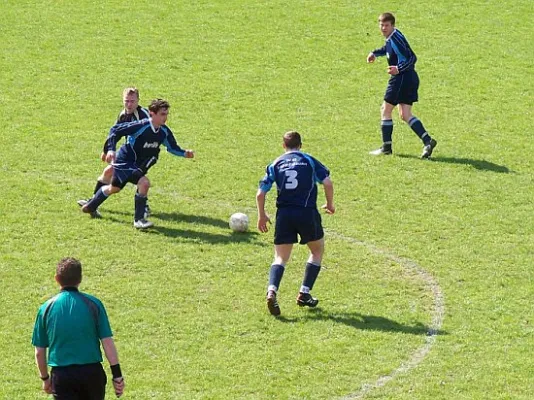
(367, 322)
(194, 219)
(180, 217)
(482, 165)
(192, 235)
(207, 237)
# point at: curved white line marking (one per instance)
(437, 316)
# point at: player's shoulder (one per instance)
(143, 112)
(92, 298)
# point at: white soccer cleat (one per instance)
(143, 224)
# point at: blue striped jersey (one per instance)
(398, 52)
(296, 175)
(143, 141)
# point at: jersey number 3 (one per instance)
(291, 179)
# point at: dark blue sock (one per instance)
(96, 200)
(98, 185)
(387, 131)
(140, 205)
(275, 276)
(419, 129)
(310, 275)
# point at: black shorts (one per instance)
(402, 88)
(124, 173)
(79, 382)
(301, 221)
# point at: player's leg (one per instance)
(102, 180)
(312, 235)
(143, 184)
(407, 96)
(119, 180)
(386, 126)
(285, 235)
(282, 252)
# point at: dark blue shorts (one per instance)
(301, 221)
(402, 88)
(124, 173)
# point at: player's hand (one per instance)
(189, 154)
(393, 70)
(47, 386)
(371, 58)
(262, 223)
(329, 208)
(110, 157)
(103, 156)
(118, 386)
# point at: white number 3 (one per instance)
(291, 181)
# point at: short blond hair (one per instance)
(130, 90)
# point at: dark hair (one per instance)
(387, 17)
(292, 140)
(158, 104)
(69, 272)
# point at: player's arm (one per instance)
(406, 54)
(115, 134)
(111, 353)
(263, 218)
(40, 360)
(376, 53)
(174, 148)
(328, 186)
(265, 185)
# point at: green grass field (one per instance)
(428, 287)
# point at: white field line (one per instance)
(438, 313)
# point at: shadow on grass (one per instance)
(180, 217)
(482, 165)
(193, 235)
(366, 322)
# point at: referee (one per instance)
(71, 325)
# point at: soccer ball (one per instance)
(239, 222)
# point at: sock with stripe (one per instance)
(419, 129)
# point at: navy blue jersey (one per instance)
(398, 52)
(296, 175)
(142, 143)
(138, 114)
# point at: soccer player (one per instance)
(72, 325)
(132, 112)
(402, 86)
(296, 175)
(136, 156)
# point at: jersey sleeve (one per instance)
(40, 337)
(321, 172)
(266, 183)
(118, 131)
(380, 52)
(171, 145)
(104, 328)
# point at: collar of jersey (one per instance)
(69, 289)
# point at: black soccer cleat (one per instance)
(306, 300)
(272, 303)
(382, 151)
(92, 213)
(429, 148)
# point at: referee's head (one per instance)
(69, 272)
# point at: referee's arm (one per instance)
(40, 360)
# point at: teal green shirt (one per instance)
(71, 325)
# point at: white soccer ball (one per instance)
(239, 222)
